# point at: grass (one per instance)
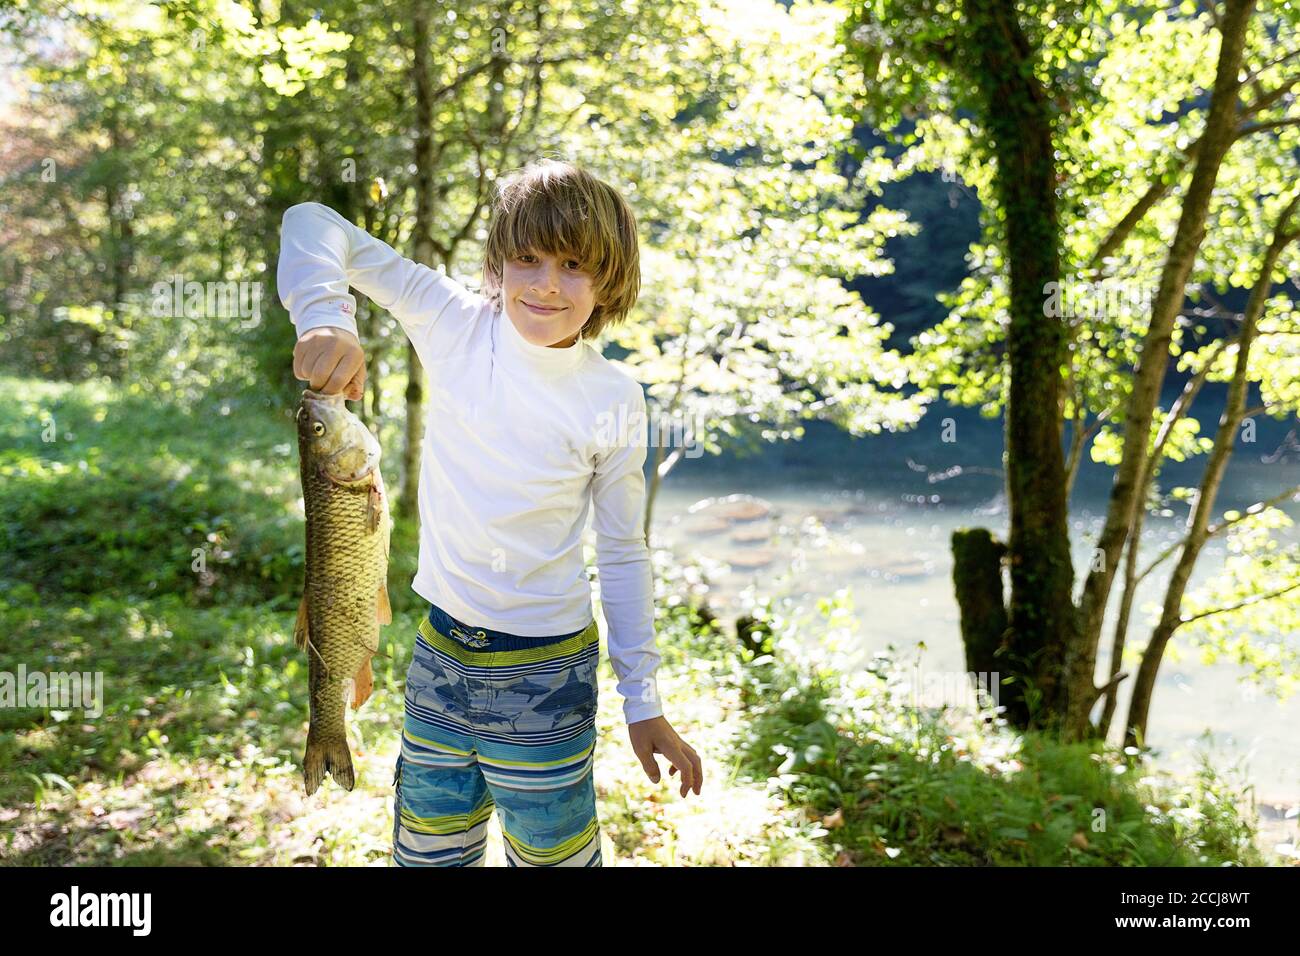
(904, 785)
(161, 548)
(195, 759)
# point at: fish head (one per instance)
(335, 440)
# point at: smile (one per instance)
(541, 310)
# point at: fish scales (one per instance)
(344, 596)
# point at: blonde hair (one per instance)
(557, 207)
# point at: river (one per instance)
(868, 514)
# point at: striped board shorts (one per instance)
(497, 720)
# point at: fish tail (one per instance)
(332, 757)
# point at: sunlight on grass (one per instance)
(809, 760)
(730, 823)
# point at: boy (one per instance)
(501, 691)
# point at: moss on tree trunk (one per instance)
(977, 581)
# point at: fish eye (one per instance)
(318, 429)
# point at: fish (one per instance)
(573, 697)
(345, 582)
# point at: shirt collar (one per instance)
(515, 351)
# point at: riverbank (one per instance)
(193, 756)
(804, 766)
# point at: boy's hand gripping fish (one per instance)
(345, 598)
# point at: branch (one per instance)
(1254, 599)
(1212, 9)
(1080, 441)
(1157, 190)
(1217, 309)
(1255, 74)
(1272, 96)
(1271, 124)
(667, 464)
(1214, 529)
(1253, 509)
(1257, 410)
(1097, 423)
(465, 75)
(1111, 684)
(1193, 542)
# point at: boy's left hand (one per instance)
(656, 736)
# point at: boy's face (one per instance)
(548, 297)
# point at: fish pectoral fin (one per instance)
(385, 609)
(362, 685)
(301, 632)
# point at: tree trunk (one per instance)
(280, 168)
(423, 252)
(349, 200)
(119, 224)
(1019, 120)
(1120, 637)
(977, 582)
(1171, 613)
(1220, 131)
(1131, 576)
(120, 240)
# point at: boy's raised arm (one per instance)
(322, 254)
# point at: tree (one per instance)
(1120, 94)
(746, 329)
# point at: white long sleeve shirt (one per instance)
(520, 440)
